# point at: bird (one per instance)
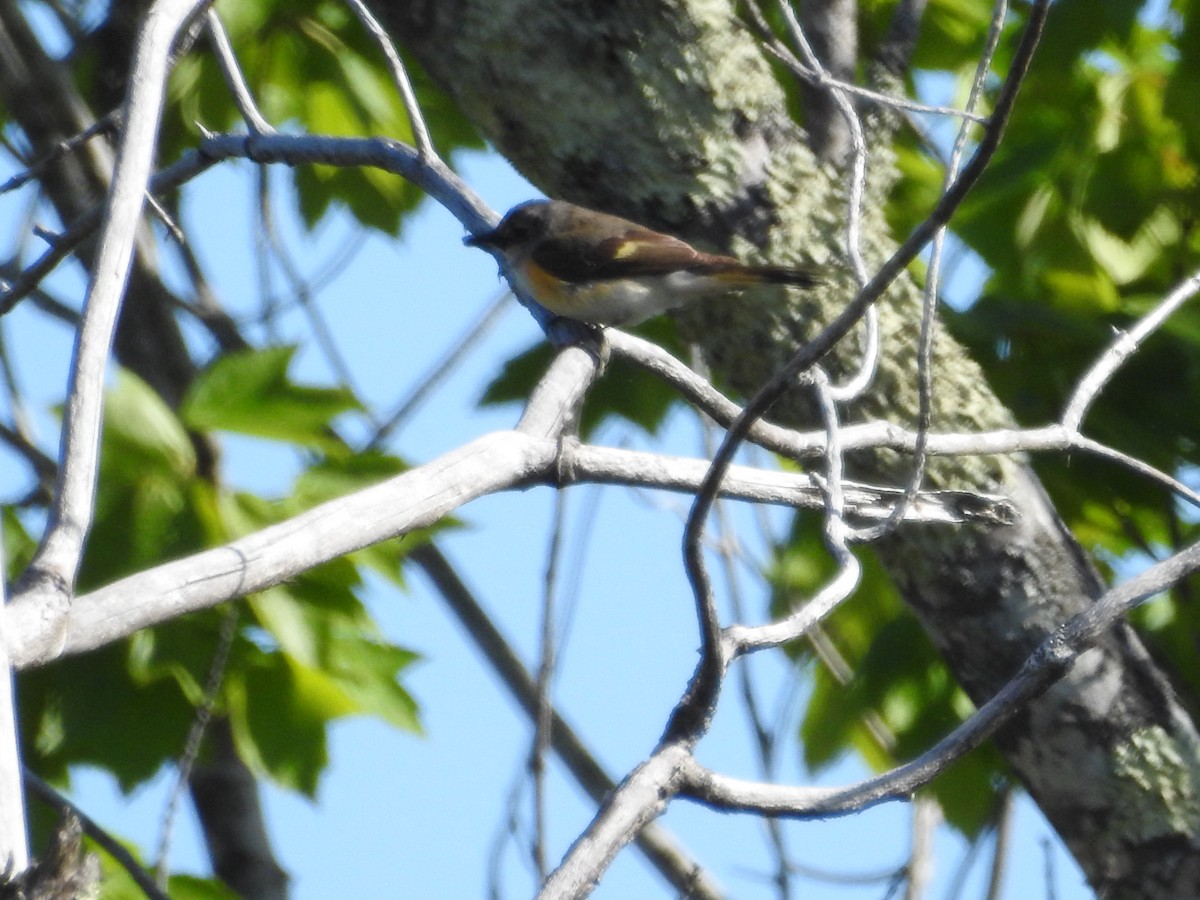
(604, 270)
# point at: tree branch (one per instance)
(56, 562)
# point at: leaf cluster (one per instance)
(303, 655)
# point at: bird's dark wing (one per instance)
(575, 257)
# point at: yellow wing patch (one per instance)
(626, 249)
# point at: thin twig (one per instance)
(102, 126)
(865, 374)
(188, 167)
(925, 817)
(167, 220)
(1126, 343)
(303, 291)
(460, 348)
(191, 748)
(97, 833)
(1002, 837)
(399, 77)
(672, 861)
(764, 738)
(231, 71)
(42, 464)
(930, 294)
(547, 665)
(780, 51)
(1049, 662)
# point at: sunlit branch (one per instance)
(57, 559)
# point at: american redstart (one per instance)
(593, 267)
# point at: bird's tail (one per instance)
(744, 275)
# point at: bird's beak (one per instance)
(486, 240)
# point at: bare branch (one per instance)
(641, 797)
(780, 51)
(604, 465)
(56, 562)
(926, 815)
(833, 29)
(810, 353)
(100, 127)
(191, 749)
(1003, 837)
(460, 348)
(543, 683)
(802, 446)
(188, 167)
(1125, 345)
(418, 498)
(862, 379)
(231, 71)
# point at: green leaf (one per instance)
(1082, 290)
(279, 711)
(325, 628)
(1182, 94)
(900, 698)
(83, 709)
(250, 393)
(1080, 26)
(19, 547)
(181, 650)
(368, 670)
(117, 884)
(331, 477)
(967, 791)
(190, 887)
(141, 432)
(950, 34)
(141, 522)
(1125, 261)
(312, 65)
(150, 503)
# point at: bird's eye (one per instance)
(521, 226)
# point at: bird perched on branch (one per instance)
(592, 267)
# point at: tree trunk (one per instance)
(666, 111)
